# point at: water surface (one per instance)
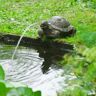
(36, 68)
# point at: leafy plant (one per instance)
(83, 65)
(2, 73)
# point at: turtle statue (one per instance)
(56, 27)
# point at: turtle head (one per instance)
(44, 25)
(71, 31)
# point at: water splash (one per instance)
(21, 39)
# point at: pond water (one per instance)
(35, 67)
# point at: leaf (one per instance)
(24, 91)
(2, 73)
(37, 93)
(14, 84)
(2, 89)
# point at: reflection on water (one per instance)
(35, 67)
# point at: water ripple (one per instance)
(27, 68)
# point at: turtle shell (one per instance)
(58, 23)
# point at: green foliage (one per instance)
(83, 65)
(89, 3)
(19, 91)
(77, 91)
(8, 88)
(3, 89)
(17, 15)
(2, 73)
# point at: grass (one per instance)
(17, 15)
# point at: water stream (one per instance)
(21, 39)
(35, 67)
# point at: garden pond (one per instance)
(36, 67)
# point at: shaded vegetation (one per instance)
(83, 65)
